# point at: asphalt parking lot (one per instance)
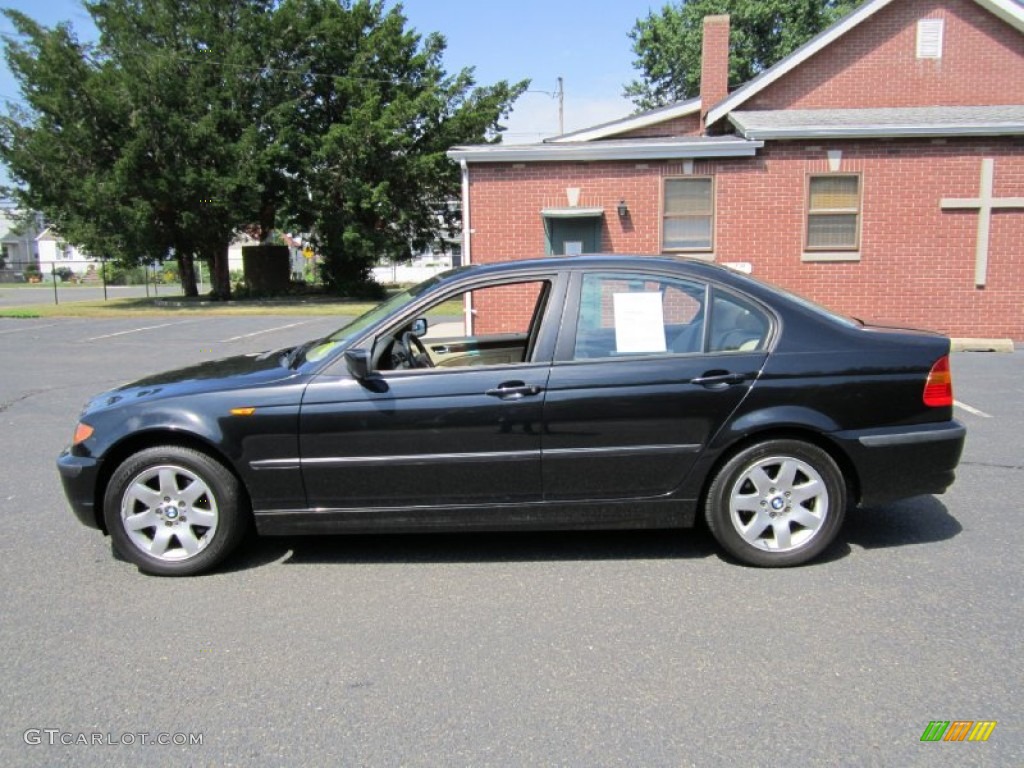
(576, 649)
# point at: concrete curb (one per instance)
(982, 345)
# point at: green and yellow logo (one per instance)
(958, 730)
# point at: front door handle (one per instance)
(514, 390)
(447, 349)
(719, 379)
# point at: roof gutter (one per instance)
(879, 131)
(606, 150)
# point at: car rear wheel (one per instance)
(174, 511)
(777, 503)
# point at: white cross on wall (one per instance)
(984, 203)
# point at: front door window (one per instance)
(492, 325)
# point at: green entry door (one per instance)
(570, 236)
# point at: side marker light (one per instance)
(82, 433)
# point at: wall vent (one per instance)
(929, 38)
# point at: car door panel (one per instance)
(427, 435)
(634, 428)
(619, 424)
(423, 438)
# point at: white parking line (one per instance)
(138, 330)
(259, 333)
(25, 328)
(972, 410)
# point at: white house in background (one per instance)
(17, 242)
(55, 253)
(235, 250)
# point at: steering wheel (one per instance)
(408, 352)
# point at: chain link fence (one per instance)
(40, 282)
(43, 281)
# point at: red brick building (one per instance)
(878, 169)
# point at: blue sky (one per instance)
(583, 41)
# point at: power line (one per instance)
(558, 93)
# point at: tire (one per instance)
(776, 503)
(174, 511)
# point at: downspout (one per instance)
(466, 232)
(467, 236)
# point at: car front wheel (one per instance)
(174, 511)
(777, 503)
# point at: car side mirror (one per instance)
(418, 327)
(358, 362)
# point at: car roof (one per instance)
(685, 266)
(600, 261)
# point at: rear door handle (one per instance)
(719, 379)
(514, 390)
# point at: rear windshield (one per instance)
(808, 304)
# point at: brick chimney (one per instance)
(714, 64)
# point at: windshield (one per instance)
(319, 349)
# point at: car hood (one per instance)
(238, 372)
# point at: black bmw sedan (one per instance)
(571, 393)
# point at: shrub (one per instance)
(119, 274)
(169, 273)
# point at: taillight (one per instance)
(938, 389)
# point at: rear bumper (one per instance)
(78, 475)
(899, 462)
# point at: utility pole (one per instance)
(561, 108)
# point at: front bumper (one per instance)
(78, 475)
(900, 462)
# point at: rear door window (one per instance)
(623, 314)
(737, 325)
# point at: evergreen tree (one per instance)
(188, 122)
(365, 117)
